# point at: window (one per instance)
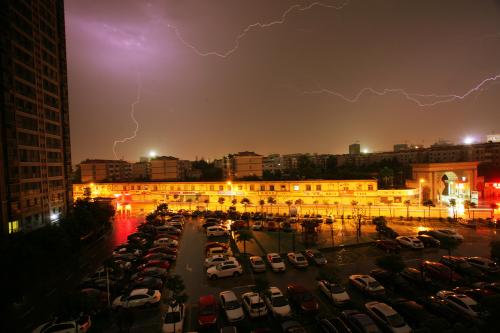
(308, 187)
(221, 187)
(211, 187)
(252, 187)
(283, 187)
(271, 187)
(370, 187)
(296, 187)
(262, 187)
(13, 226)
(318, 187)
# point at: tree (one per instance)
(262, 203)
(221, 201)
(299, 203)
(468, 205)
(429, 203)
(207, 202)
(336, 203)
(189, 201)
(245, 202)
(271, 201)
(244, 236)
(493, 207)
(354, 204)
(261, 287)
(234, 201)
(453, 204)
(289, 203)
(392, 263)
(407, 204)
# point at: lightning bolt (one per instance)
(418, 99)
(257, 25)
(132, 115)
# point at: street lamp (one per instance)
(420, 191)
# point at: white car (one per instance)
(173, 321)
(225, 269)
(124, 250)
(72, 326)
(257, 225)
(277, 303)
(258, 265)
(387, 316)
(460, 302)
(276, 262)
(231, 306)
(216, 259)
(484, 264)
(410, 241)
(165, 242)
(297, 259)
(216, 231)
(335, 292)
(217, 250)
(367, 284)
(136, 298)
(450, 233)
(253, 303)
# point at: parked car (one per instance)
(257, 225)
(392, 281)
(159, 249)
(477, 294)
(440, 308)
(332, 325)
(302, 298)
(173, 320)
(82, 325)
(254, 304)
(276, 262)
(484, 264)
(216, 259)
(217, 231)
(277, 303)
(439, 272)
(389, 246)
(442, 234)
(359, 322)
(217, 250)
(462, 266)
(387, 317)
(257, 264)
(210, 245)
(297, 259)
(292, 326)
(463, 304)
(157, 272)
(207, 311)
(225, 269)
(166, 242)
(154, 263)
(148, 282)
(386, 231)
(335, 292)
(136, 298)
(367, 284)
(429, 241)
(122, 249)
(414, 313)
(239, 224)
(231, 306)
(410, 241)
(316, 257)
(416, 277)
(159, 256)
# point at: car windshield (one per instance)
(335, 288)
(318, 256)
(276, 260)
(396, 320)
(257, 305)
(207, 310)
(172, 317)
(258, 262)
(231, 305)
(279, 301)
(300, 258)
(373, 284)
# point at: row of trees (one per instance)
(32, 260)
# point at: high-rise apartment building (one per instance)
(105, 170)
(35, 162)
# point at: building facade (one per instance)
(35, 168)
(242, 165)
(313, 194)
(97, 170)
(166, 168)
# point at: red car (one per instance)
(302, 298)
(207, 311)
(158, 249)
(439, 272)
(155, 263)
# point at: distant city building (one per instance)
(401, 147)
(100, 170)
(272, 163)
(166, 168)
(493, 138)
(35, 185)
(242, 165)
(141, 170)
(354, 149)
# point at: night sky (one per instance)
(213, 82)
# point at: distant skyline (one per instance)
(210, 78)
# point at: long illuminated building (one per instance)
(139, 197)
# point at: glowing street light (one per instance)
(365, 151)
(152, 154)
(468, 140)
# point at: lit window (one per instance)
(296, 187)
(13, 226)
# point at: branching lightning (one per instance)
(422, 100)
(257, 25)
(132, 115)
